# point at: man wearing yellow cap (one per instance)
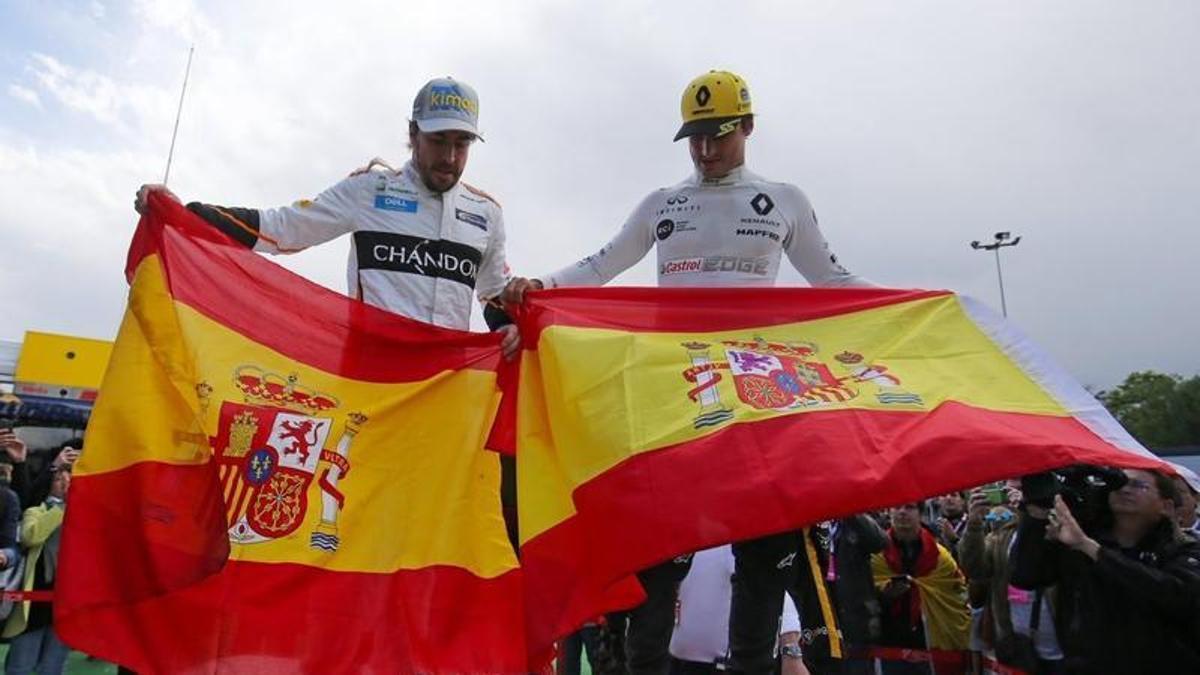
(721, 226)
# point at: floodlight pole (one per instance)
(1002, 239)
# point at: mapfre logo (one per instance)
(757, 232)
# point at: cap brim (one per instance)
(705, 127)
(447, 124)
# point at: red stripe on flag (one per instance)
(698, 310)
(284, 618)
(775, 475)
(253, 296)
(169, 518)
(145, 581)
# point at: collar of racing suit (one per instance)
(738, 175)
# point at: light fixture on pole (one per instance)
(1002, 239)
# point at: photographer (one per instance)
(1129, 582)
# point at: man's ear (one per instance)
(413, 130)
(748, 124)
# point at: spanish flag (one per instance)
(656, 422)
(282, 479)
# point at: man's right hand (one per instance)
(15, 448)
(514, 292)
(978, 507)
(895, 588)
(143, 196)
(67, 457)
(375, 161)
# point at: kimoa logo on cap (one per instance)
(450, 99)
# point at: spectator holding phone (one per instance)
(983, 552)
(952, 519)
(31, 487)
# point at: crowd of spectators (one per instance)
(33, 496)
(1085, 570)
(1082, 571)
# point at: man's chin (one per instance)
(441, 183)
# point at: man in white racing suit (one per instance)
(423, 242)
(722, 226)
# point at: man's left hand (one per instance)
(947, 529)
(788, 666)
(1064, 529)
(16, 448)
(510, 344)
(514, 292)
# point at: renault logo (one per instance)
(762, 204)
(702, 95)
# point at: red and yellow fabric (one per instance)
(282, 479)
(656, 422)
(940, 592)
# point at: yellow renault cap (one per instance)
(712, 102)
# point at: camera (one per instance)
(1084, 489)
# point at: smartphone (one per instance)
(996, 496)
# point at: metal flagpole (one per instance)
(178, 113)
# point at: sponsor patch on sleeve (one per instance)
(471, 218)
(392, 203)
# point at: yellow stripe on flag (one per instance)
(615, 394)
(411, 448)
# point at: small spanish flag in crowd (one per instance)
(281, 479)
(657, 422)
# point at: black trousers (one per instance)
(763, 570)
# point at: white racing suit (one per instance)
(723, 232)
(414, 252)
(730, 231)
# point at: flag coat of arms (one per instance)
(655, 422)
(281, 479)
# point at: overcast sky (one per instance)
(914, 128)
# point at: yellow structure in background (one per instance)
(50, 363)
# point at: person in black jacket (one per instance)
(1129, 595)
(855, 539)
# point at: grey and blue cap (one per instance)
(444, 104)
